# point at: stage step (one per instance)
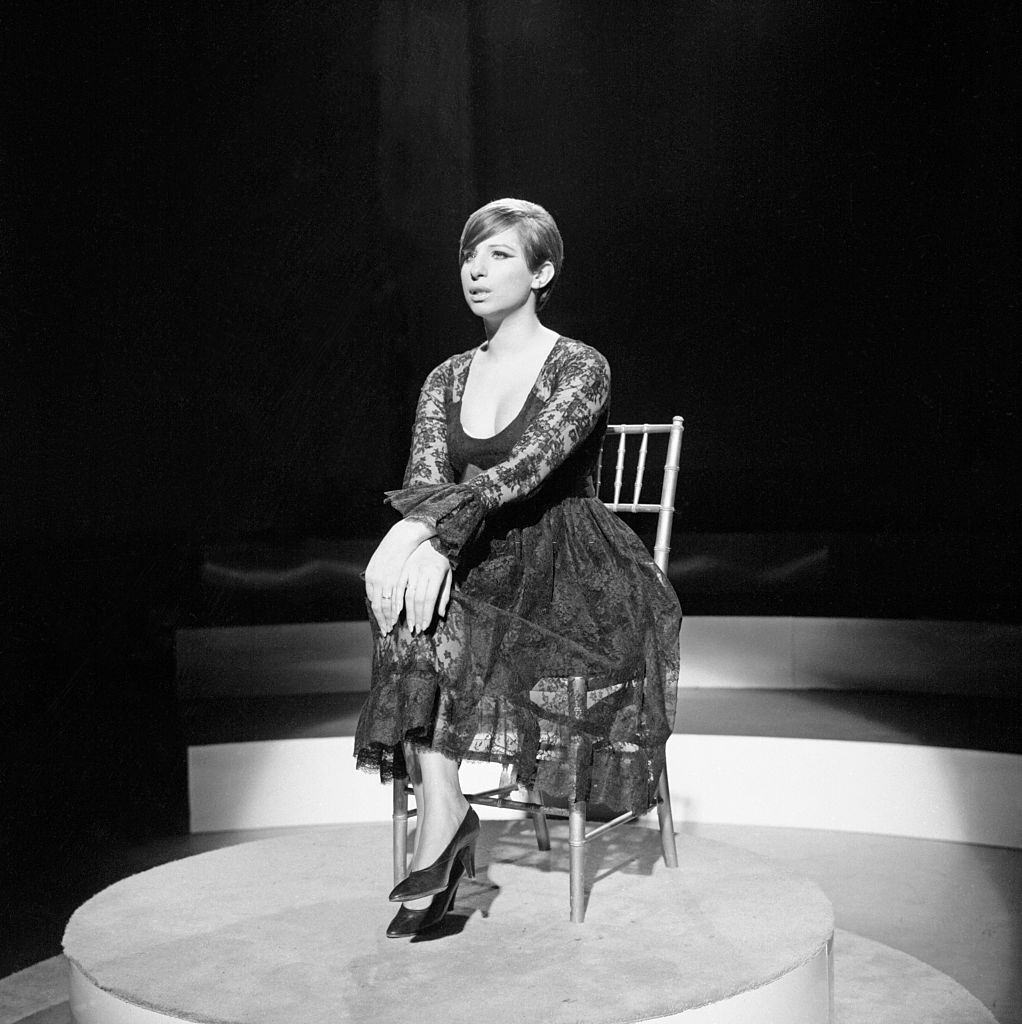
(926, 742)
(894, 789)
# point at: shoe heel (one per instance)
(468, 860)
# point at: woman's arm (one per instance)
(428, 461)
(387, 574)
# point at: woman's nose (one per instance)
(476, 267)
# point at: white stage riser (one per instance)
(891, 789)
(802, 996)
(746, 652)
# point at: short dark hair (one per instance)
(536, 228)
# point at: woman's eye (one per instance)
(467, 255)
(501, 255)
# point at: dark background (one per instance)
(232, 232)
(229, 259)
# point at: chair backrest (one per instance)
(664, 509)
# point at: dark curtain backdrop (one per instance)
(231, 234)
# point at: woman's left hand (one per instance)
(384, 574)
(427, 586)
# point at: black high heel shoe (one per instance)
(413, 922)
(435, 878)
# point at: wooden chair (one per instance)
(500, 796)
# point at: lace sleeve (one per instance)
(579, 393)
(428, 462)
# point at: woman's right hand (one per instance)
(427, 586)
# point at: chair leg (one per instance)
(400, 828)
(577, 853)
(539, 820)
(666, 817)
(578, 703)
(509, 777)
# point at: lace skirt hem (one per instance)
(618, 780)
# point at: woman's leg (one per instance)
(441, 806)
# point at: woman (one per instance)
(507, 583)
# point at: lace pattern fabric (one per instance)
(559, 651)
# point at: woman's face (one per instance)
(496, 278)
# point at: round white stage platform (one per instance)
(292, 929)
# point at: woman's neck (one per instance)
(517, 332)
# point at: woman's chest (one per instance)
(494, 394)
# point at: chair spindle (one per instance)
(641, 467)
(619, 470)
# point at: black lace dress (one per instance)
(553, 596)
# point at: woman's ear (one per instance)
(543, 275)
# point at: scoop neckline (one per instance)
(528, 397)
